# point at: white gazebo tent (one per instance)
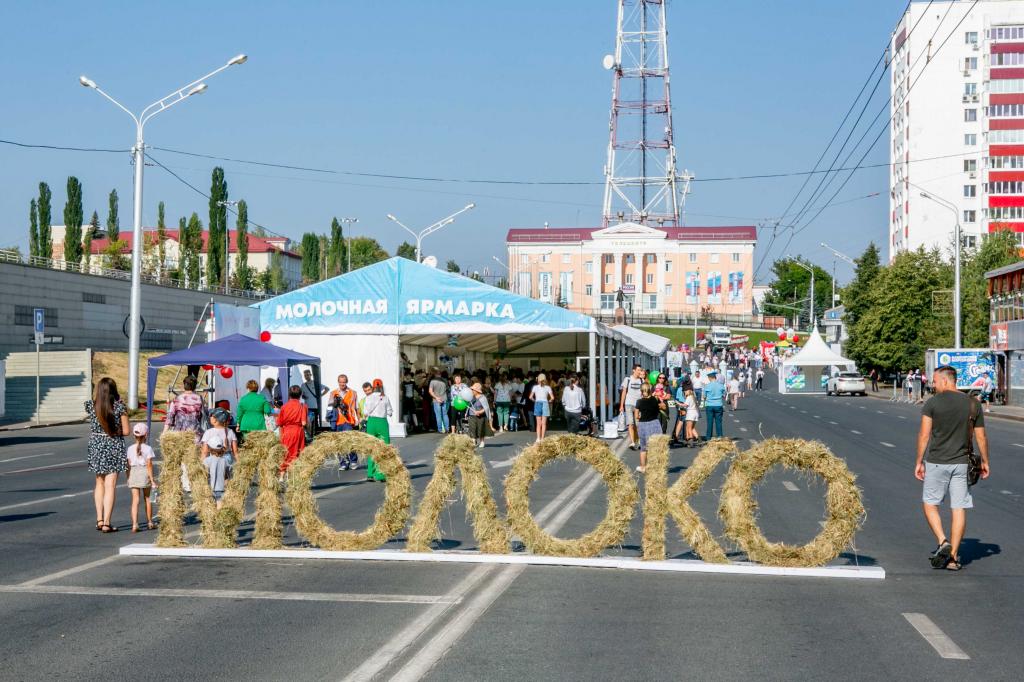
(807, 370)
(364, 322)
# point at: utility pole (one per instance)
(696, 307)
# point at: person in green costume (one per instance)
(377, 409)
(252, 409)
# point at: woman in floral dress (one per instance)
(187, 412)
(107, 458)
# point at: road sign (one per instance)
(39, 324)
(41, 339)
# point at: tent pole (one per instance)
(592, 371)
(605, 387)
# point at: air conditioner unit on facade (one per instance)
(974, 46)
(974, 98)
(966, 99)
(967, 72)
(972, 174)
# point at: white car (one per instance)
(846, 382)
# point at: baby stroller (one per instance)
(587, 422)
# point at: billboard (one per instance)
(972, 365)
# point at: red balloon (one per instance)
(796, 338)
(226, 372)
(264, 336)
(782, 334)
(208, 367)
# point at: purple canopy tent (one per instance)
(235, 349)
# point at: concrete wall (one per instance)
(90, 311)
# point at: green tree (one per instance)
(215, 265)
(90, 234)
(161, 242)
(33, 228)
(275, 274)
(336, 250)
(193, 272)
(243, 277)
(310, 250)
(452, 266)
(113, 221)
(792, 287)
(406, 250)
(900, 319)
(854, 296)
(45, 234)
(179, 273)
(73, 222)
(366, 251)
(322, 253)
(997, 250)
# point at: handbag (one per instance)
(973, 458)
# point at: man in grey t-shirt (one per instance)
(438, 390)
(950, 421)
(629, 394)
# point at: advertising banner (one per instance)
(972, 365)
(714, 287)
(735, 287)
(692, 287)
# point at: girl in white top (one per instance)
(542, 397)
(691, 416)
(140, 475)
(734, 392)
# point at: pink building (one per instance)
(660, 270)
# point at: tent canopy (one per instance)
(234, 350)
(425, 306)
(805, 371)
(816, 353)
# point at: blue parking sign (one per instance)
(39, 316)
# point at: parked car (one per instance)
(846, 382)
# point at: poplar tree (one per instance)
(218, 226)
(182, 246)
(73, 222)
(45, 236)
(193, 272)
(243, 274)
(310, 248)
(161, 241)
(336, 250)
(90, 234)
(113, 221)
(33, 229)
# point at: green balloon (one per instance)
(653, 377)
(459, 404)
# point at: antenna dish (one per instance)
(608, 62)
(430, 261)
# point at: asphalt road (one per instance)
(71, 607)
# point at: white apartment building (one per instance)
(957, 130)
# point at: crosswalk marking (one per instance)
(939, 640)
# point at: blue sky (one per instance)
(448, 88)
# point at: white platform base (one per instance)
(628, 563)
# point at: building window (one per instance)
(630, 258)
(607, 279)
(524, 259)
(609, 258)
(970, 115)
(566, 257)
(649, 258)
(970, 216)
(607, 301)
(735, 258)
(668, 266)
(545, 258)
(970, 139)
(650, 301)
(693, 258)
(629, 278)
(668, 290)
(525, 285)
(970, 165)
(588, 267)
(565, 288)
(589, 290)
(970, 191)
(971, 38)
(24, 317)
(650, 278)
(714, 258)
(971, 63)
(89, 297)
(970, 88)
(970, 241)
(544, 286)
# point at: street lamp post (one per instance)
(138, 158)
(430, 229)
(956, 263)
(810, 270)
(348, 240)
(507, 269)
(842, 256)
(696, 308)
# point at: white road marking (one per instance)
(832, 422)
(1018, 445)
(15, 459)
(939, 640)
(789, 485)
(792, 407)
(69, 571)
(419, 462)
(803, 411)
(743, 429)
(862, 407)
(428, 655)
(1006, 492)
(855, 431)
(900, 416)
(226, 594)
(51, 499)
(503, 463)
(879, 412)
(888, 445)
(817, 416)
(48, 466)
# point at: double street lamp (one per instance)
(956, 260)
(418, 236)
(139, 159)
(810, 270)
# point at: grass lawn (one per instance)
(115, 366)
(678, 335)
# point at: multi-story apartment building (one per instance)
(957, 132)
(659, 270)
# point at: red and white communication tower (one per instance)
(642, 183)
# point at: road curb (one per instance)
(988, 415)
(21, 426)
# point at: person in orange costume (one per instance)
(292, 419)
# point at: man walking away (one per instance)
(573, 400)
(438, 390)
(874, 380)
(760, 379)
(628, 396)
(950, 422)
(714, 404)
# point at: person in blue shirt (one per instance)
(714, 404)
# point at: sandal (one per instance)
(940, 557)
(954, 565)
(99, 524)
(108, 529)
(135, 529)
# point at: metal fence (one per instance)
(682, 319)
(125, 275)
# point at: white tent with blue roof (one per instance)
(362, 323)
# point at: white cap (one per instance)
(216, 442)
(140, 429)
